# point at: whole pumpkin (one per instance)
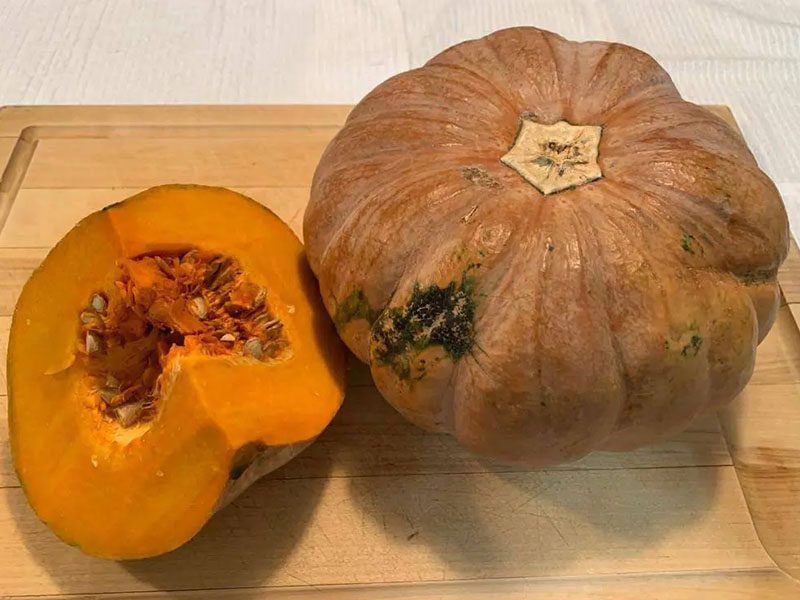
(541, 248)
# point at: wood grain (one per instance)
(790, 275)
(734, 584)
(761, 430)
(13, 119)
(421, 528)
(375, 500)
(6, 146)
(280, 156)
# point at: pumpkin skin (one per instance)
(223, 418)
(536, 327)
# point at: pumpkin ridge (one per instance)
(510, 105)
(613, 51)
(373, 211)
(599, 253)
(700, 216)
(655, 269)
(430, 72)
(699, 203)
(548, 43)
(499, 63)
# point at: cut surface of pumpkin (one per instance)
(161, 359)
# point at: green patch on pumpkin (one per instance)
(758, 276)
(693, 347)
(433, 316)
(690, 244)
(354, 306)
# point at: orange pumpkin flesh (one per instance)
(131, 417)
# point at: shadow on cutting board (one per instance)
(241, 546)
(450, 515)
(377, 499)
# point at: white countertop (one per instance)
(743, 53)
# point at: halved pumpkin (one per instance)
(170, 350)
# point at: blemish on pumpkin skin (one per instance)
(479, 176)
(693, 347)
(354, 306)
(687, 342)
(757, 276)
(689, 244)
(434, 316)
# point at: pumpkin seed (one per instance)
(272, 324)
(92, 343)
(261, 296)
(273, 347)
(224, 275)
(91, 319)
(107, 394)
(162, 264)
(112, 381)
(211, 272)
(99, 303)
(228, 337)
(252, 347)
(127, 414)
(261, 319)
(199, 307)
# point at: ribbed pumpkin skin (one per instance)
(539, 328)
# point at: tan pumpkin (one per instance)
(539, 247)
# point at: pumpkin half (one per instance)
(541, 248)
(161, 359)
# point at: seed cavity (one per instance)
(160, 308)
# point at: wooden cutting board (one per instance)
(376, 507)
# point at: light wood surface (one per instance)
(377, 508)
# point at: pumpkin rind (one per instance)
(223, 420)
(605, 315)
